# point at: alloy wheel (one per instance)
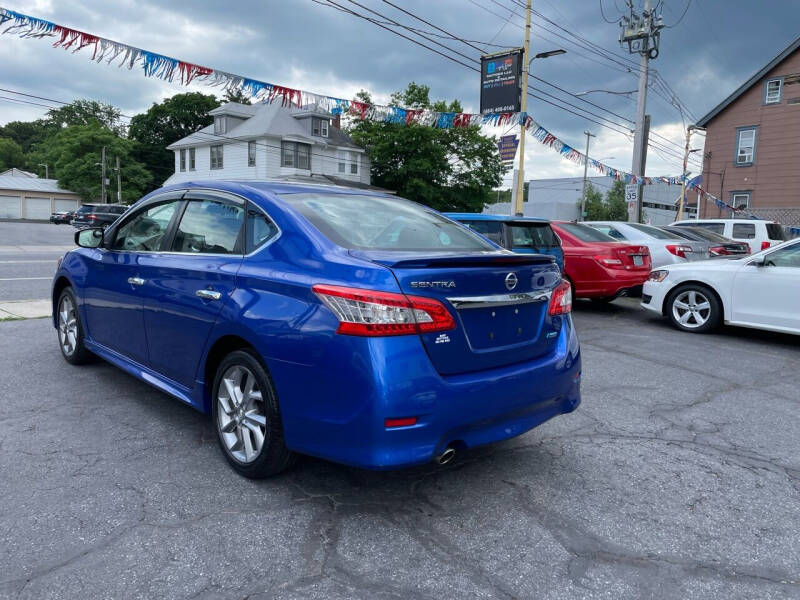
(691, 309)
(67, 326)
(241, 416)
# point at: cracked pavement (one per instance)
(678, 477)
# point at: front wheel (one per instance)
(70, 330)
(247, 417)
(694, 308)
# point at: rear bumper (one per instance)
(461, 410)
(606, 288)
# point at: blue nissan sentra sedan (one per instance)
(354, 326)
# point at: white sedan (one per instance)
(761, 291)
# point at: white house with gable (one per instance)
(267, 141)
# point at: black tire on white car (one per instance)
(694, 307)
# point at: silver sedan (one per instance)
(665, 248)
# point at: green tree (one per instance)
(236, 95)
(616, 207)
(74, 152)
(167, 122)
(11, 154)
(446, 169)
(84, 112)
(26, 133)
(595, 207)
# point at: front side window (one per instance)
(183, 160)
(744, 231)
(216, 157)
(145, 230)
(251, 154)
(746, 147)
(191, 159)
(210, 227)
(362, 222)
(785, 257)
(772, 94)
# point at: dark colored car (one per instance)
(718, 246)
(97, 215)
(62, 216)
(599, 266)
(524, 235)
(345, 324)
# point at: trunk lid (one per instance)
(499, 303)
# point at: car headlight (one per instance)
(658, 275)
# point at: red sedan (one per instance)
(597, 265)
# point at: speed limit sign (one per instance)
(632, 199)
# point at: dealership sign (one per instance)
(507, 145)
(500, 77)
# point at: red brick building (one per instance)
(752, 151)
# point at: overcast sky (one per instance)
(299, 43)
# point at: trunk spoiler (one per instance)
(414, 260)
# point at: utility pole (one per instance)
(642, 34)
(46, 170)
(103, 175)
(119, 183)
(589, 135)
(523, 108)
(686, 153)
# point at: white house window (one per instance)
(746, 147)
(341, 158)
(740, 200)
(220, 125)
(295, 155)
(183, 159)
(251, 154)
(354, 163)
(319, 127)
(216, 157)
(773, 91)
(191, 159)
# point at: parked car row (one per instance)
(89, 215)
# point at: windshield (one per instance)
(585, 233)
(653, 232)
(379, 223)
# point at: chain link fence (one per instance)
(784, 216)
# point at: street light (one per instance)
(46, 170)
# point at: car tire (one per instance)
(247, 417)
(70, 330)
(694, 307)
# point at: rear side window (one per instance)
(585, 233)
(610, 231)
(380, 223)
(744, 231)
(490, 229)
(210, 227)
(715, 227)
(533, 235)
(776, 232)
(260, 229)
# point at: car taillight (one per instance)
(91, 218)
(679, 249)
(372, 313)
(609, 260)
(765, 245)
(561, 300)
(718, 251)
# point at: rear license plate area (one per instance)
(638, 261)
(503, 325)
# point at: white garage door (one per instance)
(62, 205)
(37, 208)
(10, 207)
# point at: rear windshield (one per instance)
(585, 233)
(680, 232)
(653, 231)
(377, 223)
(532, 235)
(708, 235)
(715, 227)
(776, 232)
(87, 208)
(490, 229)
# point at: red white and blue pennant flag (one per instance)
(172, 70)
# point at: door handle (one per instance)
(208, 294)
(136, 281)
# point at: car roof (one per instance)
(500, 218)
(722, 221)
(274, 187)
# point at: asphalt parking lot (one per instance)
(678, 477)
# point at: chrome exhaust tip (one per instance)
(446, 456)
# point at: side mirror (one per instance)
(89, 238)
(759, 262)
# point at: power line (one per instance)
(603, 14)
(683, 14)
